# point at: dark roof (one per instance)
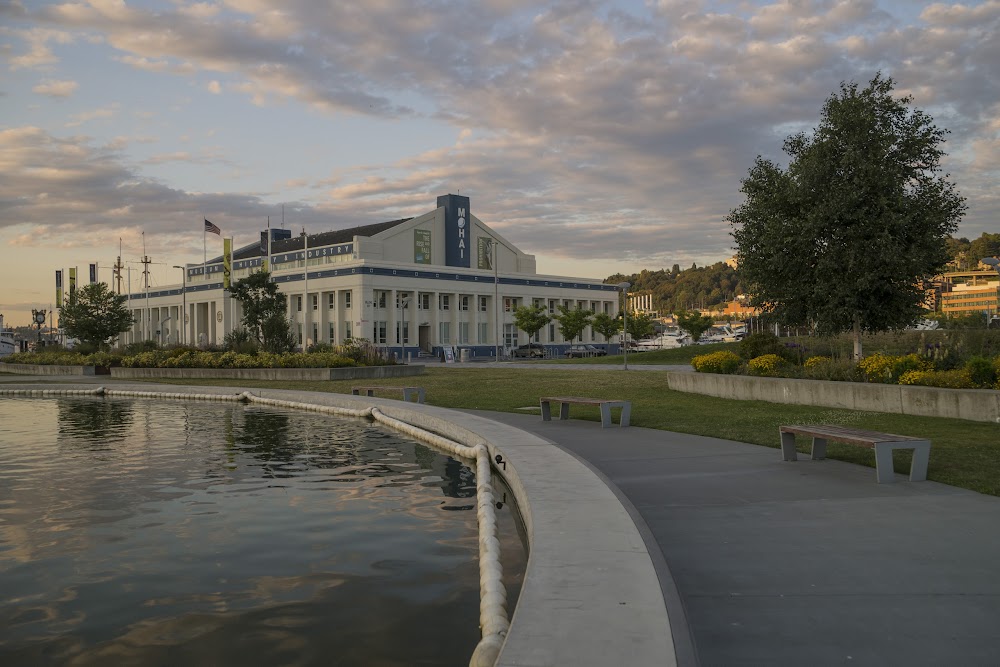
(315, 240)
(334, 237)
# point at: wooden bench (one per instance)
(415, 392)
(605, 406)
(882, 443)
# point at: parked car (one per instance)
(579, 351)
(530, 350)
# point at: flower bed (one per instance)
(764, 355)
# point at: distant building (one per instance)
(968, 292)
(443, 278)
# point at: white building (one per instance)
(440, 279)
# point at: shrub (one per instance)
(813, 362)
(240, 340)
(140, 346)
(981, 371)
(716, 362)
(877, 367)
(956, 379)
(759, 344)
(767, 365)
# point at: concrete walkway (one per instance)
(805, 563)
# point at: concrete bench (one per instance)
(882, 443)
(605, 406)
(408, 392)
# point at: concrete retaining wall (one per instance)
(44, 369)
(289, 374)
(973, 404)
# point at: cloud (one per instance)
(583, 128)
(56, 88)
(95, 114)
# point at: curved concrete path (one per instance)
(804, 563)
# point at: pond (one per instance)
(161, 532)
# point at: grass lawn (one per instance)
(964, 453)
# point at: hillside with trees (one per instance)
(696, 288)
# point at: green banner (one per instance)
(59, 288)
(484, 253)
(72, 285)
(422, 246)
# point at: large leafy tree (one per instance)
(96, 316)
(841, 239)
(572, 322)
(264, 311)
(531, 319)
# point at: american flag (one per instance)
(214, 229)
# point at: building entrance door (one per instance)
(424, 340)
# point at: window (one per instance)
(538, 336)
(347, 301)
(607, 307)
(380, 297)
(315, 301)
(300, 333)
(333, 332)
(482, 304)
(444, 301)
(347, 330)
(509, 335)
(484, 333)
(552, 333)
(402, 300)
(463, 333)
(463, 302)
(424, 302)
(315, 334)
(509, 304)
(445, 331)
(298, 306)
(403, 329)
(331, 300)
(379, 331)
(537, 302)
(552, 306)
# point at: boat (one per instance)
(8, 345)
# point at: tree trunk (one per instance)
(857, 337)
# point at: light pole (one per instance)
(995, 263)
(624, 288)
(184, 305)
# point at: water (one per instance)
(142, 533)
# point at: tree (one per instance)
(96, 316)
(640, 325)
(694, 323)
(530, 319)
(987, 245)
(573, 322)
(606, 325)
(842, 239)
(264, 311)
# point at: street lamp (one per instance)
(183, 318)
(624, 288)
(496, 294)
(995, 263)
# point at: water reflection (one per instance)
(152, 533)
(97, 420)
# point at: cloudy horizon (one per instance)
(601, 137)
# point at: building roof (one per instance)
(334, 237)
(315, 240)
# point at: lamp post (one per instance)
(995, 263)
(184, 305)
(624, 288)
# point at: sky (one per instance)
(601, 137)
